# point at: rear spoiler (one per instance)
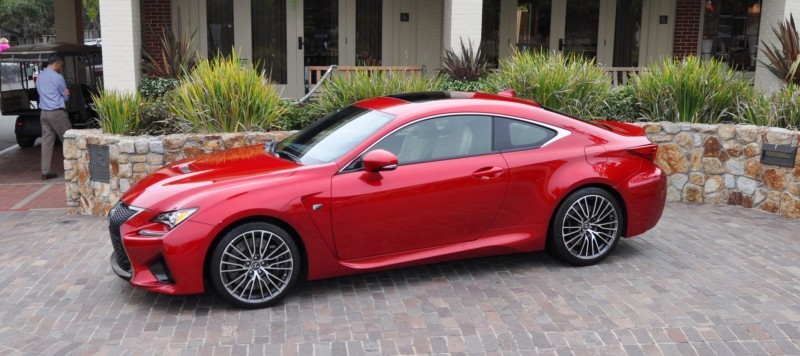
(620, 128)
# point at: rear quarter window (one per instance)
(512, 135)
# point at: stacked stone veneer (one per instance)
(721, 164)
(133, 158)
(711, 164)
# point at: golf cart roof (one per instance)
(40, 52)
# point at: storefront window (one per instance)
(369, 31)
(490, 31)
(730, 32)
(533, 24)
(220, 27)
(269, 38)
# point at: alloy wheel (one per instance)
(256, 266)
(590, 227)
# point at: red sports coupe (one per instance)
(389, 182)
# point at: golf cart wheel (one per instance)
(25, 141)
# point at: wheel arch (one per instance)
(257, 218)
(608, 188)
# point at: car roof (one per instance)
(407, 100)
(408, 107)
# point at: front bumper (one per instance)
(172, 264)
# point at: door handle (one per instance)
(300, 42)
(560, 44)
(488, 173)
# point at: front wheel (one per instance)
(254, 265)
(586, 227)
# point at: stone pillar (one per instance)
(772, 12)
(462, 20)
(121, 30)
(68, 20)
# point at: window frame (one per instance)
(560, 133)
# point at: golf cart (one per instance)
(19, 67)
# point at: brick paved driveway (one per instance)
(706, 280)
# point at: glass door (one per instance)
(275, 42)
(320, 32)
(581, 28)
(627, 33)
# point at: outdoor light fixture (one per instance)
(778, 155)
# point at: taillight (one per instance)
(649, 151)
(19, 123)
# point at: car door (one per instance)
(447, 189)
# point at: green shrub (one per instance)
(781, 109)
(119, 112)
(570, 84)
(343, 89)
(690, 90)
(154, 87)
(480, 85)
(221, 95)
(299, 116)
(621, 105)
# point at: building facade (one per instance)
(284, 37)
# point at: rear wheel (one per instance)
(25, 141)
(587, 227)
(255, 265)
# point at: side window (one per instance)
(440, 138)
(512, 135)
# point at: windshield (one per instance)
(332, 136)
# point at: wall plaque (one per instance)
(99, 163)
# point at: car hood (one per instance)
(184, 182)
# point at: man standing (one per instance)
(53, 95)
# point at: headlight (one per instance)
(174, 218)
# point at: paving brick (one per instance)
(707, 280)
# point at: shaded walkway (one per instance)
(21, 184)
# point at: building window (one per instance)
(533, 24)
(220, 27)
(369, 32)
(730, 32)
(490, 31)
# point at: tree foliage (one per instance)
(91, 12)
(27, 18)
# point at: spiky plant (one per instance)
(468, 66)
(568, 83)
(784, 60)
(174, 56)
(221, 95)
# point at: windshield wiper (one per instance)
(287, 154)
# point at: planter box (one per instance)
(721, 164)
(708, 164)
(117, 162)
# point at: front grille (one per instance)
(118, 215)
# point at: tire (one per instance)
(587, 227)
(238, 270)
(25, 141)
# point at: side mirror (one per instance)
(379, 160)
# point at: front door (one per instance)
(447, 189)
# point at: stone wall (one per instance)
(133, 158)
(710, 164)
(720, 164)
